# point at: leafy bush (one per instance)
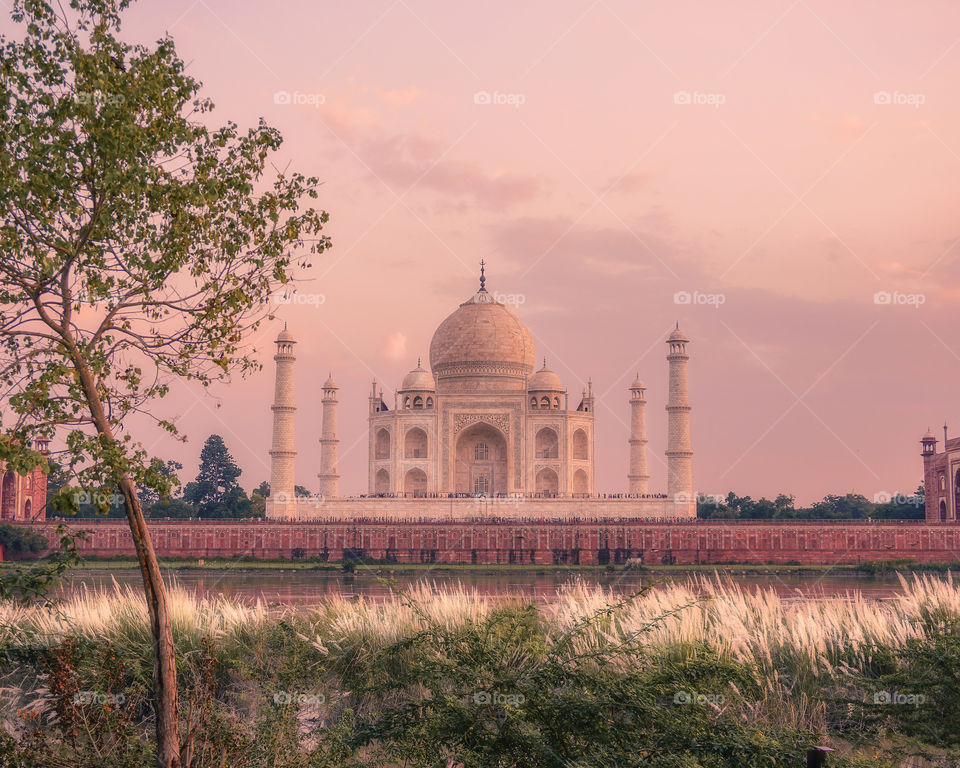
(21, 539)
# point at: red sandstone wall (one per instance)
(807, 542)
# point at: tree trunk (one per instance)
(164, 656)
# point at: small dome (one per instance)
(638, 383)
(330, 383)
(677, 335)
(418, 379)
(285, 335)
(545, 380)
(929, 436)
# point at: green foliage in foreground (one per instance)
(501, 692)
(505, 688)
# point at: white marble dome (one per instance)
(545, 380)
(418, 380)
(482, 338)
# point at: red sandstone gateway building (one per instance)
(941, 477)
(23, 498)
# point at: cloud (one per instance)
(626, 185)
(395, 346)
(363, 119)
(398, 96)
(415, 160)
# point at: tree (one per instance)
(216, 492)
(258, 505)
(149, 497)
(138, 246)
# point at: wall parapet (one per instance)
(571, 542)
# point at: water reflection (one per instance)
(298, 587)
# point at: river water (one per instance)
(298, 587)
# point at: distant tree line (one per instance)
(850, 506)
(214, 494)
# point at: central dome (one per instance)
(482, 338)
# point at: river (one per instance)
(298, 587)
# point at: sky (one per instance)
(778, 177)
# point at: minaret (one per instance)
(282, 454)
(951, 493)
(931, 493)
(679, 453)
(639, 478)
(329, 479)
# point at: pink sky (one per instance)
(791, 193)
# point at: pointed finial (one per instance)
(284, 325)
(418, 362)
(483, 280)
(544, 361)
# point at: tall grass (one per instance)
(781, 665)
(813, 636)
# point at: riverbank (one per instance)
(707, 671)
(359, 567)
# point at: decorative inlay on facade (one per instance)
(488, 368)
(499, 420)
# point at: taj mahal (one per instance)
(483, 432)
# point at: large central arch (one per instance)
(481, 461)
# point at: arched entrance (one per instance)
(415, 444)
(943, 510)
(580, 445)
(548, 484)
(381, 448)
(381, 482)
(580, 482)
(956, 493)
(547, 444)
(415, 483)
(481, 456)
(8, 496)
